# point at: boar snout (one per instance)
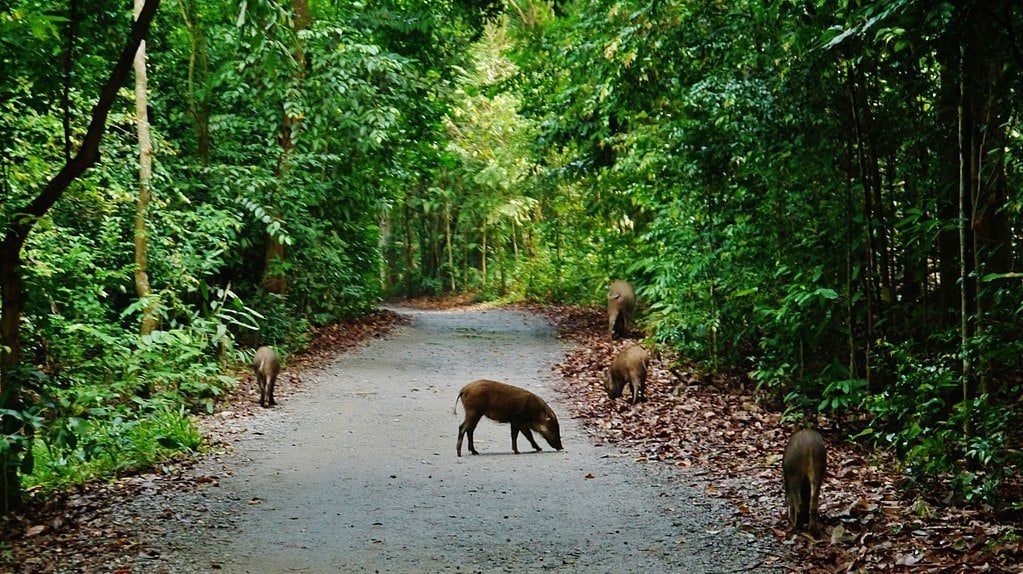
(266, 366)
(628, 368)
(803, 466)
(614, 391)
(621, 300)
(504, 403)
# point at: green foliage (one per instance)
(777, 179)
(922, 416)
(104, 442)
(766, 174)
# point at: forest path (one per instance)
(358, 473)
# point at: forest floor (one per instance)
(722, 428)
(704, 437)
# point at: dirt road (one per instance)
(358, 473)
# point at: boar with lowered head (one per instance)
(628, 368)
(506, 404)
(267, 366)
(621, 300)
(803, 466)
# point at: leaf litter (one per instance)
(723, 432)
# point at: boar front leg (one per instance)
(526, 433)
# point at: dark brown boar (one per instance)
(628, 368)
(267, 366)
(803, 466)
(506, 404)
(621, 300)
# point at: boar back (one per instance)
(628, 368)
(621, 301)
(266, 366)
(803, 466)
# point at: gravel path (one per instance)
(358, 473)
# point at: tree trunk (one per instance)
(150, 315)
(197, 103)
(68, 72)
(275, 280)
(869, 268)
(447, 241)
(483, 256)
(985, 95)
(12, 373)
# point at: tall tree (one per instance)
(274, 278)
(150, 311)
(12, 372)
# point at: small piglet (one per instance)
(621, 301)
(507, 404)
(267, 366)
(803, 467)
(628, 368)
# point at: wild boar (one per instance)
(621, 300)
(267, 366)
(628, 368)
(803, 467)
(506, 404)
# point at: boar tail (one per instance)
(454, 410)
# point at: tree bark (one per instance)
(197, 102)
(275, 281)
(69, 64)
(150, 316)
(11, 281)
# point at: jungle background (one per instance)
(816, 200)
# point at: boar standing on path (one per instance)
(621, 300)
(803, 466)
(628, 368)
(267, 366)
(507, 404)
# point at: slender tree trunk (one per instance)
(150, 316)
(966, 296)
(12, 375)
(409, 263)
(987, 91)
(869, 268)
(850, 283)
(447, 242)
(197, 102)
(68, 65)
(483, 256)
(275, 280)
(501, 261)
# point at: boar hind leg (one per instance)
(262, 391)
(270, 391)
(815, 493)
(792, 502)
(466, 428)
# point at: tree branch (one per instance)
(88, 153)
